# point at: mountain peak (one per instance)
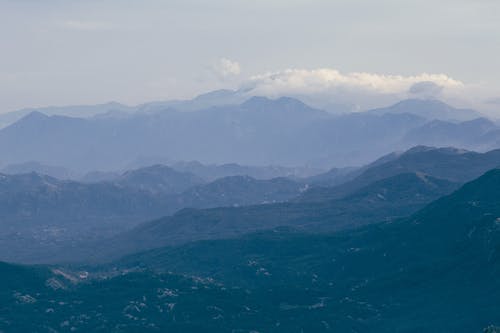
(430, 109)
(484, 189)
(419, 149)
(442, 150)
(419, 102)
(159, 179)
(152, 168)
(474, 203)
(34, 116)
(221, 93)
(256, 101)
(262, 102)
(413, 185)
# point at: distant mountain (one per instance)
(376, 278)
(212, 172)
(387, 199)
(99, 176)
(259, 131)
(430, 109)
(158, 179)
(465, 134)
(216, 98)
(455, 165)
(235, 190)
(30, 201)
(333, 177)
(285, 105)
(414, 188)
(113, 109)
(45, 139)
(338, 176)
(356, 138)
(43, 219)
(436, 271)
(29, 167)
(232, 133)
(117, 110)
(83, 111)
(39, 214)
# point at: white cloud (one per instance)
(226, 67)
(353, 91)
(321, 80)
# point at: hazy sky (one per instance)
(56, 52)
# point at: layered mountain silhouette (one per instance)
(49, 210)
(83, 111)
(235, 190)
(433, 271)
(207, 172)
(477, 133)
(212, 172)
(258, 131)
(158, 179)
(430, 109)
(252, 238)
(387, 199)
(40, 215)
(32, 166)
(453, 164)
(31, 201)
(393, 186)
(377, 277)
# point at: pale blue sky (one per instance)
(56, 52)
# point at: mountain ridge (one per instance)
(432, 109)
(258, 131)
(456, 165)
(387, 199)
(375, 278)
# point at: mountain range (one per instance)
(430, 109)
(433, 271)
(375, 278)
(207, 172)
(393, 186)
(40, 215)
(388, 199)
(233, 213)
(258, 131)
(46, 214)
(456, 165)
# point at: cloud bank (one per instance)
(226, 67)
(318, 80)
(351, 91)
